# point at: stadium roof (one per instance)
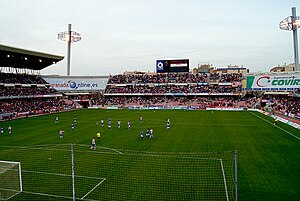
(26, 59)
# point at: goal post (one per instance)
(114, 174)
(76, 172)
(10, 179)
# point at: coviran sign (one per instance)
(273, 82)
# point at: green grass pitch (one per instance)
(268, 156)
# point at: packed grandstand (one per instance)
(26, 92)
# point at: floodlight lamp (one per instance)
(297, 22)
(70, 37)
(64, 36)
(286, 24)
(292, 23)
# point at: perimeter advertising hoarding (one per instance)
(76, 84)
(273, 82)
(174, 65)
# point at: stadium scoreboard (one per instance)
(177, 65)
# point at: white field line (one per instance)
(38, 146)
(93, 189)
(11, 190)
(49, 195)
(13, 195)
(33, 148)
(55, 196)
(276, 126)
(63, 175)
(175, 156)
(111, 149)
(12, 162)
(224, 177)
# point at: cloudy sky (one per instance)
(120, 35)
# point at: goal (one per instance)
(138, 175)
(10, 179)
(75, 172)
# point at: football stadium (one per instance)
(216, 134)
(180, 131)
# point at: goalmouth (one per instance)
(77, 173)
(10, 179)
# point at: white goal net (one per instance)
(10, 179)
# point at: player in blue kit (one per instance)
(72, 126)
(129, 125)
(109, 124)
(141, 135)
(148, 133)
(168, 124)
(102, 122)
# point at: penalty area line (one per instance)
(276, 126)
(93, 189)
(111, 149)
(63, 175)
(54, 196)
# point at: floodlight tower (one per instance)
(70, 37)
(292, 23)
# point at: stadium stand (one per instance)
(11, 78)
(26, 91)
(283, 104)
(199, 90)
(23, 91)
(22, 99)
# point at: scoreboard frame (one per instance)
(172, 65)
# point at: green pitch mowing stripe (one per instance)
(268, 157)
(276, 126)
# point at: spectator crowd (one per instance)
(283, 104)
(9, 78)
(201, 90)
(25, 91)
(18, 99)
(174, 78)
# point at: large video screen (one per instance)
(174, 65)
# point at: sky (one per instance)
(128, 35)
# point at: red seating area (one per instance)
(25, 91)
(184, 89)
(21, 95)
(283, 104)
(21, 78)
